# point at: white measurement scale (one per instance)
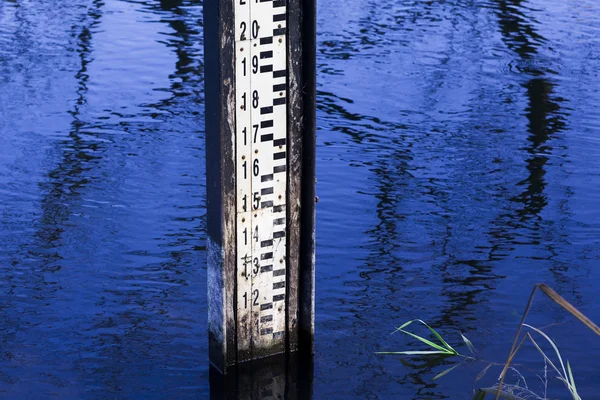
(260, 165)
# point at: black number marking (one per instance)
(242, 2)
(247, 260)
(254, 99)
(255, 167)
(245, 206)
(255, 131)
(243, 28)
(254, 65)
(256, 200)
(245, 300)
(255, 236)
(244, 165)
(256, 266)
(255, 295)
(244, 98)
(255, 28)
(245, 236)
(244, 62)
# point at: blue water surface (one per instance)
(458, 147)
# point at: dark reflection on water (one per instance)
(457, 167)
(103, 291)
(456, 146)
(277, 377)
(68, 179)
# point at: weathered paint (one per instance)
(295, 130)
(257, 309)
(220, 182)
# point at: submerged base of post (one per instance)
(278, 377)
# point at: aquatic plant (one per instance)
(444, 348)
(501, 390)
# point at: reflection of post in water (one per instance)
(391, 181)
(188, 74)
(545, 118)
(516, 28)
(67, 179)
(543, 111)
(543, 121)
(280, 377)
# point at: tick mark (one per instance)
(266, 268)
(266, 110)
(278, 285)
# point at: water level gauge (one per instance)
(260, 176)
(261, 157)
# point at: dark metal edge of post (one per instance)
(308, 217)
(220, 184)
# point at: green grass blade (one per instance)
(446, 371)
(468, 343)
(572, 381)
(480, 395)
(404, 325)
(446, 345)
(444, 348)
(427, 342)
(483, 372)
